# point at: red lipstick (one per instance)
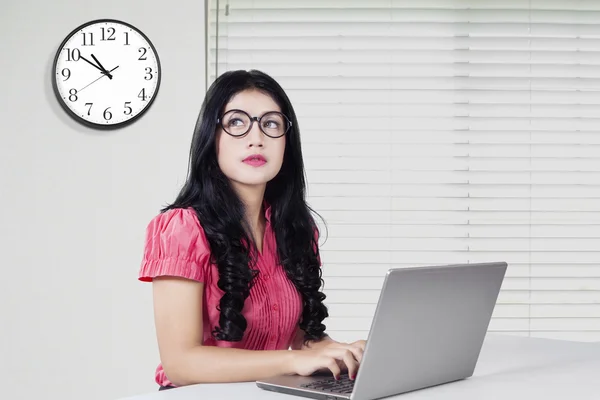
(256, 160)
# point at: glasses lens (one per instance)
(236, 122)
(274, 124)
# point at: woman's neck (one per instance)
(252, 197)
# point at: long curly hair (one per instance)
(221, 213)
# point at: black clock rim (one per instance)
(74, 115)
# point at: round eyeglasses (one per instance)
(238, 123)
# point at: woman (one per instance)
(234, 260)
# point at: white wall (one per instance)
(74, 203)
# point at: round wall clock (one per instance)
(106, 73)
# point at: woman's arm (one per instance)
(179, 330)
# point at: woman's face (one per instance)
(233, 152)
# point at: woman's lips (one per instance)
(256, 160)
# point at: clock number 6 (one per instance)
(107, 114)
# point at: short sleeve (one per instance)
(175, 245)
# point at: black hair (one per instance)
(221, 213)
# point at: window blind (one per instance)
(441, 131)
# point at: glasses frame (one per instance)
(257, 119)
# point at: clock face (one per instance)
(106, 73)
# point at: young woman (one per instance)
(234, 260)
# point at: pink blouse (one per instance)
(176, 245)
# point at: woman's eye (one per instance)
(271, 124)
(235, 122)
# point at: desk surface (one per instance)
(509, 367)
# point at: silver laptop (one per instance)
(428, 329)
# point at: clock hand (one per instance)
(101, 76)
(103, 69)
(92, 64)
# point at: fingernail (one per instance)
(353, 377)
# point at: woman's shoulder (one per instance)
(175, 220)
(175, 244)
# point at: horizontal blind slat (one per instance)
(580, 5)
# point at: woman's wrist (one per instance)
(289, 362)
(315, 344)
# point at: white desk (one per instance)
(509, 368)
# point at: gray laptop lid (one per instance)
(428, 328)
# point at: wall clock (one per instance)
(106, 74)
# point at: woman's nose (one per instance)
(255, 136)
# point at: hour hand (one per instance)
(91, 63)
(104, 71)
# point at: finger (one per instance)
(332, 365)
(351, 363)
(360, 343)
(359, 353)
(356, 351)
(342, 365)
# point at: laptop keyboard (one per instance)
(344, 385)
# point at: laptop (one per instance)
(428, 329)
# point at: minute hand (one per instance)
(101, 66)
(92, 64)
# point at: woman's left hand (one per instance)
(357, 348)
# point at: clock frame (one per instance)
(106, 74)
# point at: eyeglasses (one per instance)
(238, 123)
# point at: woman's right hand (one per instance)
(337, 357)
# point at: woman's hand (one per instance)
(333, 356)
(359, 343)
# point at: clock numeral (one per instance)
(142, 94)
(111, 31)
(66, 73)
(85, 35)
(143, 56)
(126, 38)
(107, 114)
(73, 55)
(149, 75)
(89, 105)
(128, 109)
(73, 95)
